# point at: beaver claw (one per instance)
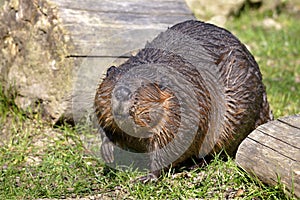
(146, 179)
(107, 150)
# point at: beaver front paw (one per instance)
(107, 150)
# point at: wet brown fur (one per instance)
(245, 99)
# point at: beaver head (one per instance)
(151, 112)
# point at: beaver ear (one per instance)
(111, 70)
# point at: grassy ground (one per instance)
(37, 161)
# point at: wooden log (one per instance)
(272, 153)
(105, 32)
(43, 42)
(94, 23)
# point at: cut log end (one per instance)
(272, 153)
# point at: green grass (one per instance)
(41, 162)
(38, 161)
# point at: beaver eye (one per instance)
(111, 70)
(164, 82)
(122, 93)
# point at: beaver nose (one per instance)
(122, 93)
(111, 70)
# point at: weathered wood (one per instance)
(272, 153)
(104, 30)
(117, 24)
(82, 36)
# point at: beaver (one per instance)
(191, 92)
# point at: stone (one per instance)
(215, 10)
(218, 11)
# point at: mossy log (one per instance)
(272, 153)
